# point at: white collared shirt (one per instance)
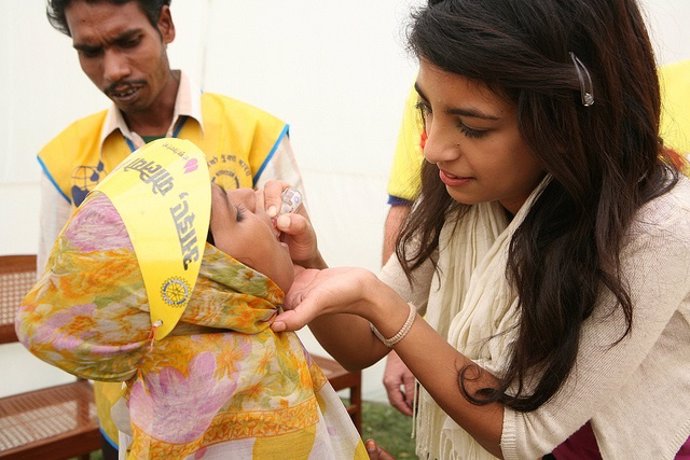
(55, 209)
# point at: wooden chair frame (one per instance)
(57, 422)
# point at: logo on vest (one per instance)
(84, 179)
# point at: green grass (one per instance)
(389, 428)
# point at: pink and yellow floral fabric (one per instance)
(222, 385)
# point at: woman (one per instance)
(549, 249)
(222, 384)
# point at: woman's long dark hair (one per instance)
(604, 160)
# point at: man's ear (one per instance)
(165, 25)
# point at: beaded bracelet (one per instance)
(401, 333)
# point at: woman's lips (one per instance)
(451, 179)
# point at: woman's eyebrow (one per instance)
(472, 112)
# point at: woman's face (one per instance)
(242, 229)
(473, 138)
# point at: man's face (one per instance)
(121, 52)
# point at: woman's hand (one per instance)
(321, 292)
(297, 231)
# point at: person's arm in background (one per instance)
(397, 378)
(54, 212)
(283, 167)
(397, 213)
(403, 187)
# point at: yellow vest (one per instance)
(238, 140)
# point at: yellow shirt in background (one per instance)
(403, 182)
(675, 110)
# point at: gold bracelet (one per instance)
(404, 330)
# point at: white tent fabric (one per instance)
(338, 72)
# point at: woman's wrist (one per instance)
(383, 307)
(402, 332)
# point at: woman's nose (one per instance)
(440, 144)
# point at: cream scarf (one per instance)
(470, 302)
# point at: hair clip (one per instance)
(586, 87)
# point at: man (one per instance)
(122, 48)
(403, 187)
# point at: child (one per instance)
(222, 384)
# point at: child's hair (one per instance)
(604, 160)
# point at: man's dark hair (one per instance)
(55, 10)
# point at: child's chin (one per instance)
(288, 276)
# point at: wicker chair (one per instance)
(57, 422)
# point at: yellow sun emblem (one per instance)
(175, 291)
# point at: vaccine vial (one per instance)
(291, 199)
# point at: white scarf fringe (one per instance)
(470, 302)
